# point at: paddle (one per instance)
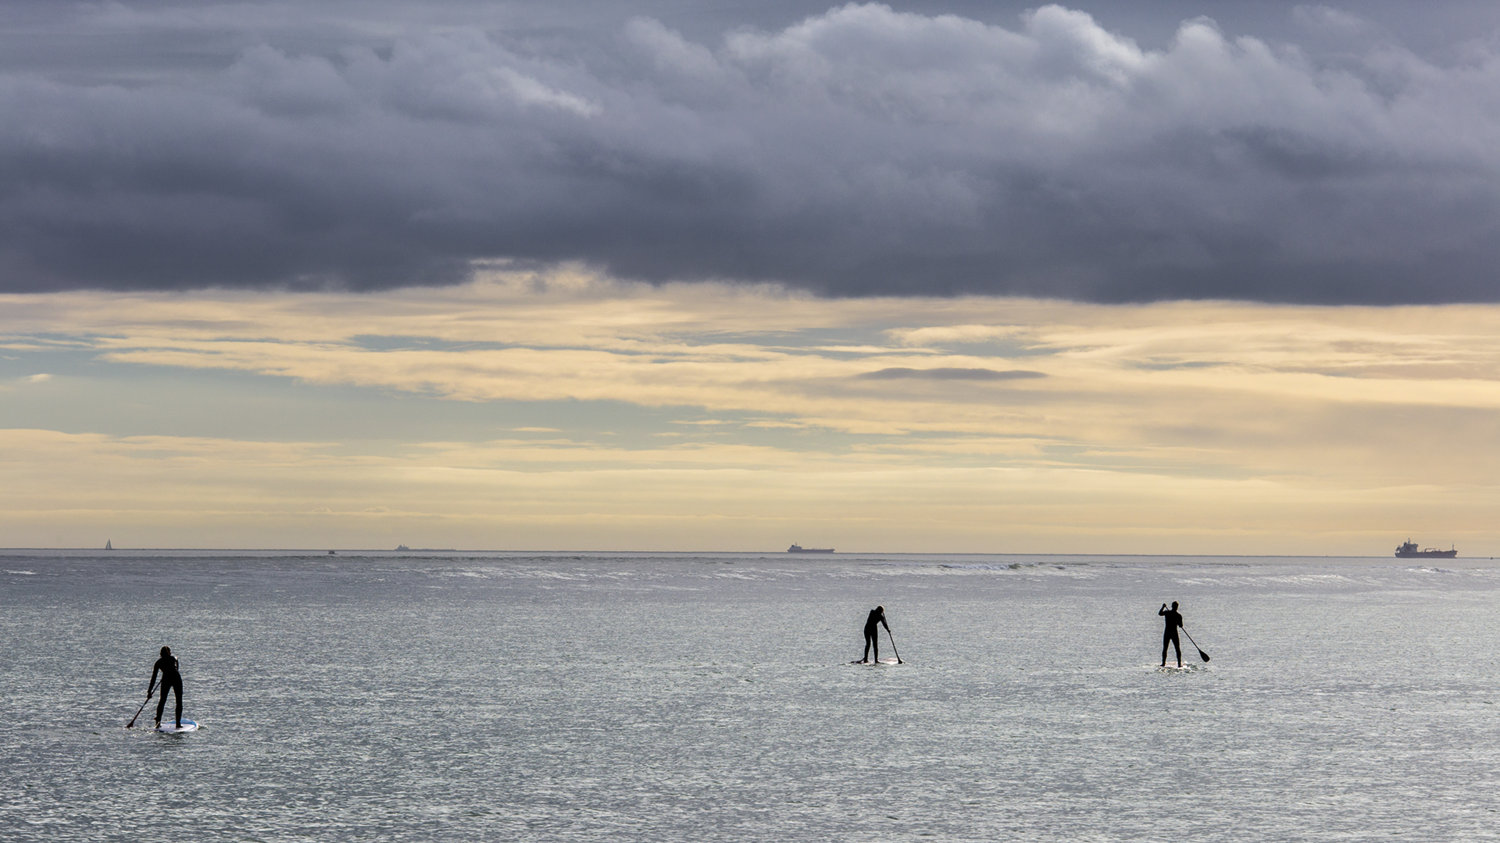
(1201, 654)
(893, 645)
(149, 691)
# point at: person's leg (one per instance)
(177, 690)
(866, 656)
(1177, 645)
(161, 703)
(1166, 641)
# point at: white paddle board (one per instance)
(171, 727)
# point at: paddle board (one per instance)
(887, 660)
(171, 728)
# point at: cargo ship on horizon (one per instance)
(797, 548)
(1408, 550)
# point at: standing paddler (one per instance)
(171, 680)
(1169, 635)
(872, 632)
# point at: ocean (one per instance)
(704, 697)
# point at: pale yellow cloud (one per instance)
(1216, 424)
(947, 335)
(217, 493)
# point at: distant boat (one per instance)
(797, 548)
(108, 545)
(401, 548)
(1408, 550)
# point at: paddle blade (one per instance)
(1203, 655)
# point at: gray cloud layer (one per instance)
(859, 151)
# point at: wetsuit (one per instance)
(171, 680)
(1169, 635)
(872, 630)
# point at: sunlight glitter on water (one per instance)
(682, 697)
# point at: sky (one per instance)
(1168, 277)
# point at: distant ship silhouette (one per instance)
(1408, 550)
(797, 548)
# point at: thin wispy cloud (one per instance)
(1110, 422)
(950, 374)
(1072, 373)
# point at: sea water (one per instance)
(508, 696)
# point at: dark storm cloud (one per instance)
(854, 151)
(951, 374)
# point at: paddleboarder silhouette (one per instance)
(872, 632)
(171, 680)
(1169, 635)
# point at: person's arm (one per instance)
(152, 685)
(1162, 610)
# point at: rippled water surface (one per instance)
(454, 696)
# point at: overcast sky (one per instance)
(1184, 277)
(1109, 152)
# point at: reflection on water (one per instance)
(680, 697)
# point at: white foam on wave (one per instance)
(1013, 566)
(469, 574)
(21, 573)
(1029, 569)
